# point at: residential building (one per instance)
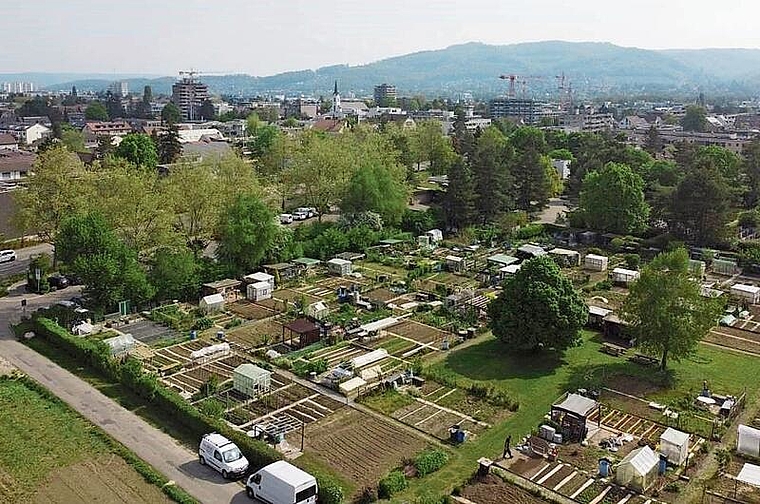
(562, 166)
(302, 108)
(8, 142)
(385, 94)
(119, 89)
(19, 87)
(189, 94)
(94, 129)
(26, 134)
(15, 165)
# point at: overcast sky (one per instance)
(262, 37)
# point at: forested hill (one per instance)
(599, 69)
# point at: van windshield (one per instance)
(232, 455)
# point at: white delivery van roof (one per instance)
(289, 473)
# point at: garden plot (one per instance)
(630, 424)
(493, 490)
(731, 337)
(398, 347)
(191, 380)
(727, 485)
(256, 334)
(251, 311)
(420, 333)
(359, 446)
(382, 295)
(336, 355)
(291, 296)
(149, 332)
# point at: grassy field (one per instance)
(536, 381)
(50, 454)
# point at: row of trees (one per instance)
(540, 309)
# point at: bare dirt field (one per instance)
(493, 490)
(359, 446)
(106, 479)
(255, 334)
(250, 311)
(418, 332)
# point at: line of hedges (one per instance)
(147, 471)
(130, 374)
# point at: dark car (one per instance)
(58, 282)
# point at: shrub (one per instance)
(203, 323)
(330, 492)
(632, 261)
(430, 461)
(393, 483)
(367, 496)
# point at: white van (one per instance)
(222, 454)
(286, 218)
(282, 483)
(7, 256)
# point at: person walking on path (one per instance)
(507, 450)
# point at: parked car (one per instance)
(309, 211)
(7, 256)
(223, 455)
(282, 483)
(300, 215)
(58, 282)
(286, 218)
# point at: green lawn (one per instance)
(39, 435)
(537, 380)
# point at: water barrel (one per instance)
(459, 437)
(604, 467)
(663, 464)
(193, 335)
(470, 332)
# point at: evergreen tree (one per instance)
(459, 202)
(654, 142)
(168, 146)
(491, 175)
(532, 184)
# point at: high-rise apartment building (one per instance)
(189, 94)
(385, 95)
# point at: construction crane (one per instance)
(519, 79)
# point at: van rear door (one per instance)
(307, 494)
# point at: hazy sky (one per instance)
(262, 37)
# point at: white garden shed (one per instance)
(748, 293)
(675, 445)
(595, 262)
(120, 345)
(339, 266)
(436, 235)
(749, 441)
(251, 380)
(212, 304)
(455, 264)
(624, 276)
(260, 276)
(638, 470)
(259, 291)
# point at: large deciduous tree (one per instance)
(171, 114)
(377, 187)
(139, 150)
(667, 313)
(695, 119)
(538, 308)
(612, 199)
(175, 274)
(429, 144)
(246, 230)
(96, 111)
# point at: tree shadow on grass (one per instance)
(494, 360)
(623, 376)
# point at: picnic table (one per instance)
(613, 350)
(645, 360)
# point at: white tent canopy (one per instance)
(675, 445)
(749, 441)
(750, 474)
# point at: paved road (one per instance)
(21, 264)
(158, 449)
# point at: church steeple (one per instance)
(336, 110)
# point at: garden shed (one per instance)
(725, 267)
(623, 276)
(436, 235)
(565, 257)
(455, 264)
(748, 293)
(638, 470)
(571, 415)
(675, 445)
(588, 237)
(281, 271)
(120, 345)
(228, 288)
(697, 267)
(595, 262)
(339, 266)
(749, 441)
(251, 380)
(260, 276)
(502, 260)
(307, 331)
(259, 291)
(529, 251)
(750, 474)
(596, 315)
(212, 304)
(509, 270)
(307, 264)
(318, 310)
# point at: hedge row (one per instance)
(149, 474)
(145, 385)
(430, 461)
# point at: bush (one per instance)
(430, 461)
(528, 232)
(330, 492)
(367, 496)
(632, 261)
(393, 483)
(203, 323)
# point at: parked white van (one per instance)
(7, 256)
(282, 483)
(222, 454)
(286, 218)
